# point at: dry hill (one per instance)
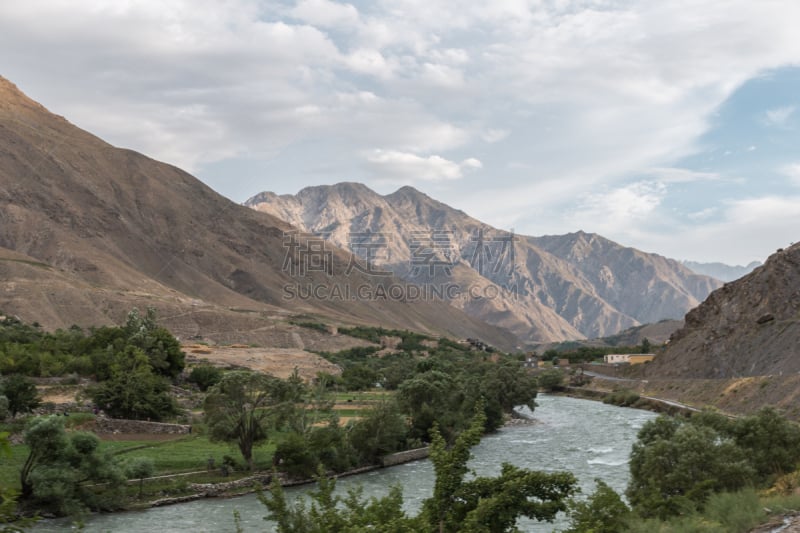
(88, 230)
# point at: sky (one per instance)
(670, 126)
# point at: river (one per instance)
(588, 438)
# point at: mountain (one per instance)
(749, 327)
(87, 231)
(721, 271)
(543, 289)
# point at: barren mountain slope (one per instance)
(545, 289)
(749, 327)
(113, 227)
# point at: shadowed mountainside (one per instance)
(749, 327)
(88, 230)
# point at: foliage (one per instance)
(60, 469)
(380, 431)
(163, 349)
(21, 394)
(646, 345)
(622, 398)
(133, 390)
(205, 376)
(551, 379)
(487, 504)
(430, 398)
(771, 442)
(294, 457)
(27, 350)
(502, 386)
(603, 512)
(10, 522)
(238, 409)
(481, 504)
(333, 514)
(140, 468)
(675, 466)
(358, 377)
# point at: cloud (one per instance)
(778, 116)
(620, 209)
(603, 97)
(326, 14)
(390, 165)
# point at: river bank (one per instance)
(590, 439)
(249, 484)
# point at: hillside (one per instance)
(543, 289)
(88, 231)
(749, 327)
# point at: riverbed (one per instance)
(590, 439)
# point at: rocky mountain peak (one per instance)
(564, 287)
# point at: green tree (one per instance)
(238, 409)
(646, 345)
(603, 512)
(61, 470)
(332, 514)
(140, 468)
(380, 431)
(432, 397)
(133, 390)
(675, 466)
(21, 393)
(488, 504)
(161, 347)
(205, 376)
(771, 442)
(551, 379)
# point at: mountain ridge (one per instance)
(556, 297)
(116, 229)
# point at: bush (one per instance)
(622, 398)
(205, 376)
(735, 511)
(294, 457)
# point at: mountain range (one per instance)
(721, 271)
(542, 289)
(88, 231)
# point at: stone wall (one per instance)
(117, 425)
(405, 457)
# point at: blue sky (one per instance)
(668, 126)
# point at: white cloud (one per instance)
(390, 165)
(596, 93)
(778, 116)
(326, 14)
(620, 209)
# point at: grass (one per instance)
(187, 454)
(184, 455)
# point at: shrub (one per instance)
(205, 376)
